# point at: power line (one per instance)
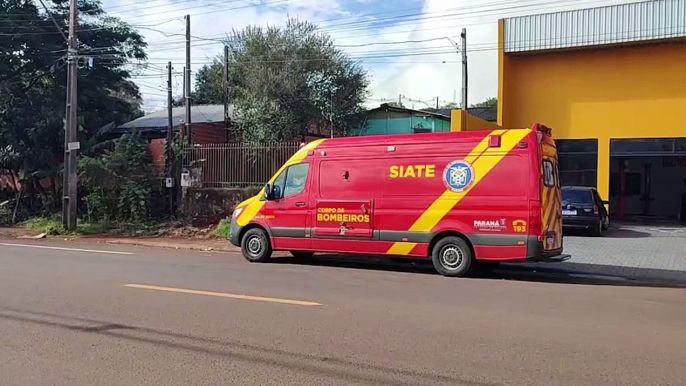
(479, 11)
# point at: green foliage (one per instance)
(94, 228)
(51, 226)
(33, 86)
(490, 102)
(224, 228)
(119, 182)
(284, 80)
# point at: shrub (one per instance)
(119, 182)
(224, 228)
(47, 225)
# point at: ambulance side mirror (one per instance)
(268, 192)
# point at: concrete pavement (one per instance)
(199, 318)
(636, 251)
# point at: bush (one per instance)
(47, 225)
(119, 182)
(224, 228)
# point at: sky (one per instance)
(407, 46)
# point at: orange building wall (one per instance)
(636, 91)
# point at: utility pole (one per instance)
(437, 103)
(170, 139)
(226, 86)
(187, 80)
(331, 114)
(463, 47)
(65, 168)
(70, 183)
(170, 119)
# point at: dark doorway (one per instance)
(647, 178)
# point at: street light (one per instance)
(462, 49)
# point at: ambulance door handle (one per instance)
(299, 204)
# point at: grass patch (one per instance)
(53, 226)
(50, 226)
(224, 229)
(94, 228)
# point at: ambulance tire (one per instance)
(452, 257)
(302, 255)
(255, 246)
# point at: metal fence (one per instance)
(231, 165)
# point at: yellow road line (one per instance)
(223, 295)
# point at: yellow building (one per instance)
(611, 83)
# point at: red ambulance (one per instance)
(461, 199)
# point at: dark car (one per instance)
(583, 209)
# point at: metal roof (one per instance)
(159, 120)
(387, 107)
(634, 22)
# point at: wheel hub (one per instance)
(452, 257)
(254, 245)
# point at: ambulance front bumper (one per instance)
(234, 238)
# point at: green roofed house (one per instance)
(387, 119)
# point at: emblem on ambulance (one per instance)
(458, 176)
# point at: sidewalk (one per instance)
(199, 244)
(213, 244)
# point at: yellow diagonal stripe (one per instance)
(483, 160)
(255, 205)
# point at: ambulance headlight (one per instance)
(237, 212)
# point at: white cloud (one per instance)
(411, 69)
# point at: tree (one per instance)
(451, 106)
(33, 83)
(285, 79)
(490, 102)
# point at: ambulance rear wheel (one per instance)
(452, 256)
(255, 246)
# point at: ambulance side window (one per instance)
(296, 179)
(279, 183)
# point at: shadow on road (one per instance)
(337, 368)
(562, 273)
(613, 233)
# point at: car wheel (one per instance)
(451, 256)
(302, 255)
(597, 231)
(255, 246)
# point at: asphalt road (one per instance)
(165, 317)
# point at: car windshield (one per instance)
(576, 196)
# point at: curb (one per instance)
(156, 243)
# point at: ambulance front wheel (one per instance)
(255, 246)
(452, 256)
